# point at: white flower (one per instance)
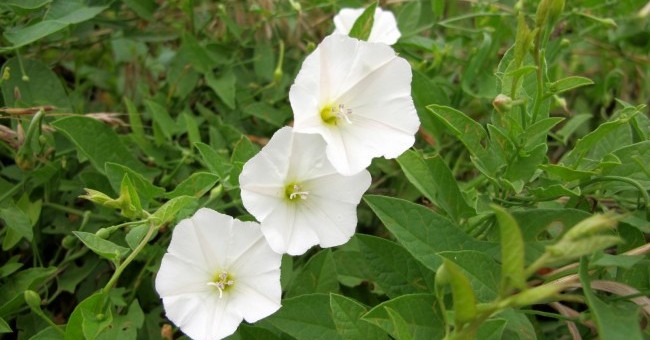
(216, 272)
(384, 27)
(357, 95)
(298, 196)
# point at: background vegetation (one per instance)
(157, 104)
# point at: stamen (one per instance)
(221, 283)
(343, 113)
(298, 193)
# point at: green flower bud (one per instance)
(32, 299)
(103, 233)
(502, 103)
(68, 242)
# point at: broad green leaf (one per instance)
(537, 132)
(215, 162)
(89, 318)
(144, 187)
(48, 333)
(525, 163)
(196, 185)
(305, 317)
(129, 199)
(102, 247)
(224, 87)
(11, 293)
(99, 143)
(61, 15)
(554, 191)
(392, 268)
(347, 314)
(244, 150)
(436, 182)
(168, 211)
(191, 127)
(125, 326)
(419, 311)
(4, 326)
(518, 326)
(246, 332)
(512, 252)
(569, 83)
(135, 235)
(614, 320)
(161, 118)
(43, 87)
(635, 164)
(459, 125)
(565, 173)
(572, 125)
(317, 276)
(491, 329)
(482, 271)
(399, 325)
(74, 274)
(351, 267)
(421, 231)
(587, 143)
(623, 261)
(477, 70)
(268, 113)
(363, 25)
(17, 222)
(143, 8)
(27, 4)
(10, 266)
(461, 290)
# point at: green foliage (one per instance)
(529, 176)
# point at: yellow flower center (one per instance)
(223, 282)
(294, 192)
(332, 114)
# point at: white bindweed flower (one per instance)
(384, 27)
(357, 95)
(218, 271)
(298, 196)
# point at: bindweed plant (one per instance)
(255, 169)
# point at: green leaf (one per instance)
(244, 150)
(11, 293)
(99, 143)
(569, 83)
(590, 141)
(491, 330)
(143, 8)
(89, 318)
(216, 163)
(512, 252)
(161, 118)
(144, 187)
(16, 222)
(623, 261)
(191, 127)
(4, 326)
(135, 235)
(56, 20)
(347, 314)
(518, 326)
(399, 325)
(129, 199)
(268, 114)
(478, 70)
(27, 4)
(614, 321)
(421, 231)
(459, 125)
(42, 88)
(572, 125)
(125, 326)
(392, 268)
(305, 317)
(168, 211)
(101, 247)
(317, 276)
(419, 311)
(435, 181)
(363, 25)
(482, 271)
(196, 185)
(462, 293)
(537, 132)
(224, 87)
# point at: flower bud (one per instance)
(32, 299)
(502, 103)
(100, 198)
(68, 242)
(536, 295)
(103, 233)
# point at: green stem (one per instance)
(129, 259)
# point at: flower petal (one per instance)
(257, 297)
(334, 222)
(178, 277)
(284, 234)
(203, 316)
(384, 27)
